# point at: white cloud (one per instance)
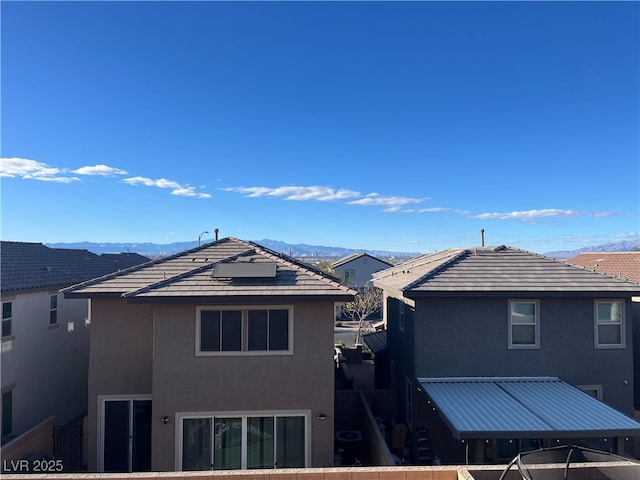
(528, 215)
(176, 188)
(435, 210)
(32, 170)
(99, 170)
(189, 192)
(393, 203)
(604, 214)
(318, 193)
(327, 194)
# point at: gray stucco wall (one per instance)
(469, 337)
(364, 267)
(44, 366)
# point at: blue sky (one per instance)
(401, 126)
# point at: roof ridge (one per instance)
(141, 266)
(188, 273)
(314, 271)
(437, 269)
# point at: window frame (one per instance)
(401, 309)
(536, 324)
(244, 345)
(597, 389)
(350, 276)
(7, 320)
(244, 416)
(53, 310)
(597, 323)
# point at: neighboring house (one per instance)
(219, 357)
(620, 264)
(487, 346)
(624, 265)
(45, 339)
(357, 269)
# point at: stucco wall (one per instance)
(363, 267)
(121, 357)
(146, 349)
(43, 365)
(469, 337)
(184, 382)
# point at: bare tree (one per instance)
(367, 302)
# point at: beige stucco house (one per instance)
(220, 357)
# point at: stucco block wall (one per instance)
(44, 366)
(469, 337)
(121, 357)
(184, 382)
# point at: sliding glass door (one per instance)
(241, 442)
(126, 440)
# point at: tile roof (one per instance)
(356, 256)
(495, 270)
(620, 264)
(522, 407)
(188, 275)
(30, 266)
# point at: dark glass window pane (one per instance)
(258, 329)
(231, 330)
(6, 310)
(523, 335)
(116, 436)
(141, 461)
(7, 413)
(609, 335)
(278, 329)
(291, 442)
(54, 301)
(53, 317)
(210, 331)
(196, 444)
(260, 442)
(227, 450)
(6, 328)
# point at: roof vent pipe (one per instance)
(482, 237)
(216, 233)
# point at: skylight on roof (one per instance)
(244, 270)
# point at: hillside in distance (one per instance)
(302, 250)
(623, 246)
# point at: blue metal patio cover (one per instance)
(522, 407)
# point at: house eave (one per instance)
(239, 299)
(414, 295)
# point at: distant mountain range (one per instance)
(158, 250)
(623, 246)
(304, 250)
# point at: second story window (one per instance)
(7, 315)
(350, 277)
(53, 310)
(250, 331)
(609, 325)
(524, 324)
(401, 317)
